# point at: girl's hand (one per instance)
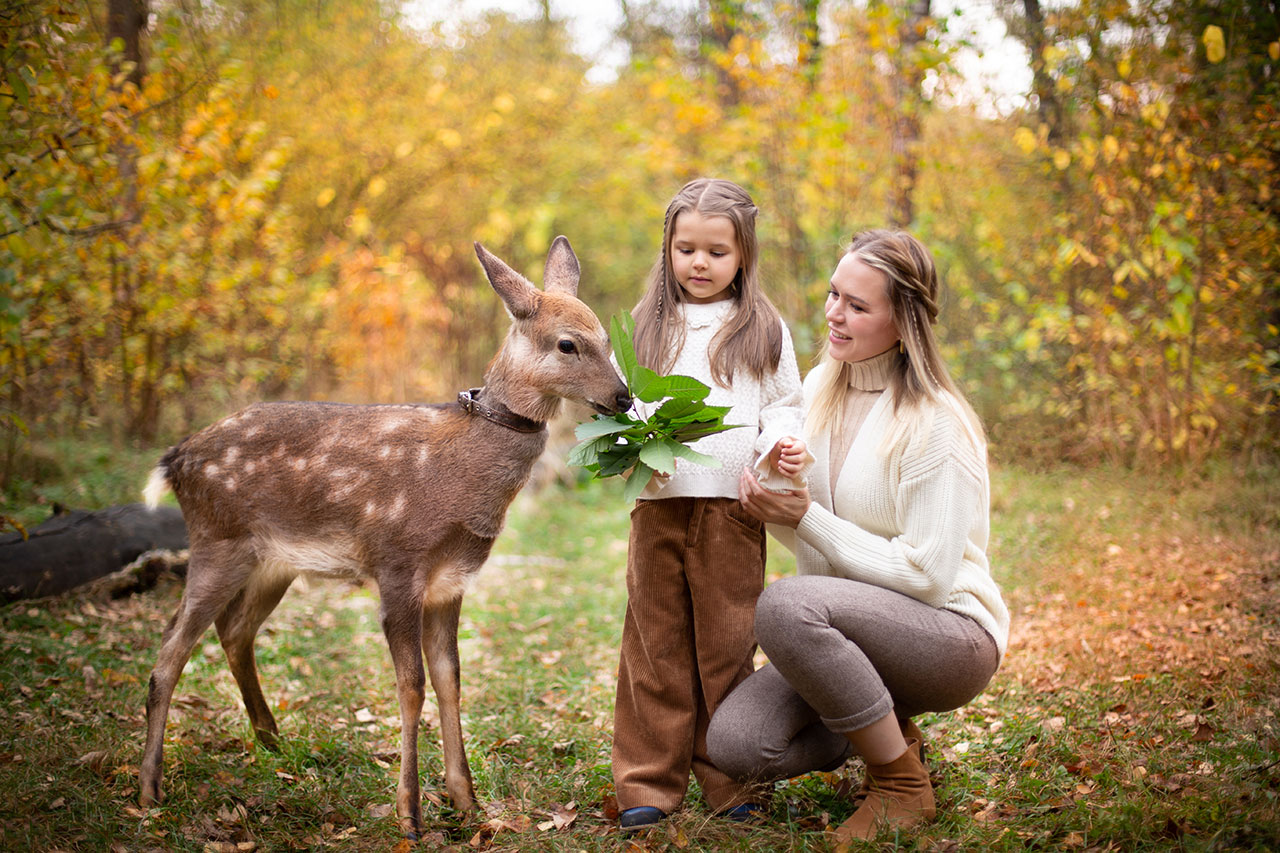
(788, 456)
(772, 507)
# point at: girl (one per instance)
(695, 564)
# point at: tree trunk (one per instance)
(127, 20)
(1048, 106)
(725, 17)
(77, 547)
(810, 52)
(909, 100)
(126, 23)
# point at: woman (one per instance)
(894, 611)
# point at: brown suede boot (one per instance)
(899, 795)
(909, 730)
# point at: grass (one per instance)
(1135, 709)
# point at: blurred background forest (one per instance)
(209, 202)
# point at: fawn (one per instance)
(412, 496)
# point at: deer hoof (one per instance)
(269, 740)
(150, 796)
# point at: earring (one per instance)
(901, 348)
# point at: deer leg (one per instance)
(237, 627)
(440, 647)
(401, 623)
(211, 583)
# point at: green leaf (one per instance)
(694, 456)
(19, 87)
(677, 408)
(604, 425)
(619, 462)
(693, 432)
(588, 452)
(636, 482)
(621, 330)
(659, 456)
(675, 386)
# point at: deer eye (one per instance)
(567, 346)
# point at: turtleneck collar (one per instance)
(872, 374)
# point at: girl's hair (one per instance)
(752, 335)
(919, 372)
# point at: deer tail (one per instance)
(157, 486)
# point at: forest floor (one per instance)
(1135, 709)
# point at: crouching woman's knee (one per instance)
(729, 745)
(776, 613)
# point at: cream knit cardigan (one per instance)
(910, 515)
(769, 409)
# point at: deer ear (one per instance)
(520, 297)
(562, 272)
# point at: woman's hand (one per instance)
(772, 507)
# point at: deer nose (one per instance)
(623, 401)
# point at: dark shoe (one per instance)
(641, 817)
(745, 813)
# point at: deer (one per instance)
(411, 496)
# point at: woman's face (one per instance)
(859, 324)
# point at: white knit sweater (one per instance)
(912, 516)
(769, 409)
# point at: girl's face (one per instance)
(704, 255)
(859, 324)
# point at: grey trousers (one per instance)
(842, 654)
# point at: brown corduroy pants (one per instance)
(695, 568)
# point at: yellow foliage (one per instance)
(449, 138)
(1025, 140)
(1215, 47)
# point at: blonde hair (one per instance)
(918, 373)
(752, 335)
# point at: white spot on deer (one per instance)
(448, 583)
(250, 466)
(298, 464)
(347, 482)
(384, 452)
(370, 509)
(230, 484)
(392, 424)
(252, 431)
(229, 458)
(423, 455)
(397, 507)
(211, 470)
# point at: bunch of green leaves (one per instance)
(624, 444)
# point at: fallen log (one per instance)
(76, 547)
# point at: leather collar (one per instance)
(470, 402)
